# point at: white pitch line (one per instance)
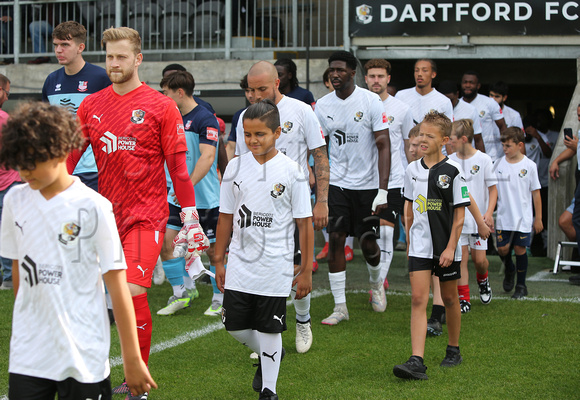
(542, 276)
(191, 335)
(216, 326)
(176, 341)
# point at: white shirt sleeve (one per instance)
(489, 173)
(107, 242)
(301, 207)
(241, 147)
(227, 199)
(408, 185)
(321, 121)
(460, 191)
(534, 179)
(313, 130)
(378, 114)
(495, 110)
(407, 124)
(9, 248)
(477, 129)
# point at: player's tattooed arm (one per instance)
(322, 174)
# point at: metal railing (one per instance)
(186, 28)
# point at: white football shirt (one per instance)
(264, 200)
(489, 112)
(350, 125)
(60, 327)
(300, 131)
(479, 176)
(511, 117)
(422, 105)
(400, 123)
(464, 110)
(515, 183)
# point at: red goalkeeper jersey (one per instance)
(131, 136)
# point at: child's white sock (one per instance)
(302, 306)
(270, 357)
(247, 337)
(386, 245)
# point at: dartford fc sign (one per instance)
(481, 18)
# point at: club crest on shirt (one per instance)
(287, 126)
(278, 190)
(443, 181)
(69, 233)
(474, 169)
(188, 124)
(358, 116)
(83, 86)
(138, 116)
(523, 173)
(482, 114)
(390, 119)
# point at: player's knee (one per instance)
(519, 250)
(449, 299)
(419, 300)
(369, 247)
(503, 251)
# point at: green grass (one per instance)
(511, 349)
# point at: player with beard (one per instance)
(489, 114)
(400, 120)
(355, 124)
(135, 130)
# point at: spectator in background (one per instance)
(571, 149)
(326, 80)
(8, 179)
(289, 81)
(6, 32)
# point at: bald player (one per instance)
(301, 134)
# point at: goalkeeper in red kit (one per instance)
(134, 130)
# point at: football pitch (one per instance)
(520, 349)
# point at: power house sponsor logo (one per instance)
(40, 274)
(341, 137)
(424, 204)
(114, 143)
(250, 218)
